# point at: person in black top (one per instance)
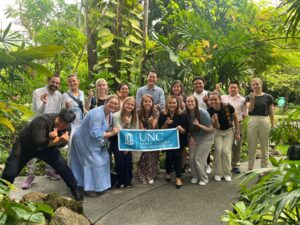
(171, 117)
(224, 118)
(100, 95)
(41, 139)
(260, 106)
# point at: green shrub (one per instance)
(268, 196)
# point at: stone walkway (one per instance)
(157, 204)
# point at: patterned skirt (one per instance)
(146, 167)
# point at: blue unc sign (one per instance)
(148, 140)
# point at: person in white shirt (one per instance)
(45, 100)
(238, 102)
(200, 93)
(202, 97)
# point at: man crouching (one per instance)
(42, 139)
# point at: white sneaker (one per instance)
(218, 178)
(151, 181)
(208, 169)
(194, 180)
(227, 178)
(202, 183)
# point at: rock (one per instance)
(56, 201)
(65, 216)
(33, 197)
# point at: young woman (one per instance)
(90, 161)
(261, 120)
(73, 99)
(171, 117)
(224, 118)
(200, 139)
(122, 92)
(101, 95)
(148, 118)
(177, 90)
(127, 119)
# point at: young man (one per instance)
(238, 102)
(150, 88)
(45, 100)
(41, 139)
(202, 96)
(200, 93)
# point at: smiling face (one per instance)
(176, 89)
(129, 105)
(256, 85)
(172, 104)
(123, 92)
(73, 82)
(151, 79)
(198, 86)
(102, 87)
(53, 83)
(214, 101)
(147, 103)
(191, 102)
(233, 89)
(112, 104)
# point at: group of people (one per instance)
(90, 126)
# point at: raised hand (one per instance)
(169, 121)
(65, 137)
(252, 96)
(215, 117)
(196, 122)
(53, 134)
(91, 93)
(44, 98)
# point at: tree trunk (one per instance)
(92, 42)
(145, 35)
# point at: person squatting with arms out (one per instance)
(41, 139)
(171, 117)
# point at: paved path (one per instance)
(157, 204)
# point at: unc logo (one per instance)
(128, 139)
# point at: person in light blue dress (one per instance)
(73, 99)
(90, 161)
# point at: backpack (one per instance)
(293, 152)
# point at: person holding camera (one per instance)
(42, 139)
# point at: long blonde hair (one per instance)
(133, 113)
(98, 81)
